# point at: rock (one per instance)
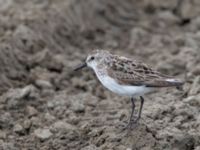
(193, 100)
(143, 148)
(6, 120)
(170, 132)
(196, 70)
(48, 60)
(73, 119)
(195, 86)
(18, 128)
(198, 119)
(21, 92)
(43, 134)
(197, 148)
(2, 135)
(78, 107)
(170, 4)
(90, 100)
(26, 39)
(31, 111)
(188, 9)
(61, 125)
(27, 124)
(7, 146)
(5, 4)
(13, 96)
(50, 104)
(90, 147)
(122, 147)
(195, 24)
(184, 142)
(36, 121)
(168, 17)
(43, 84)
(136, 35)
(58, 101)
(49, 117)
(77, 82)
(26, 91)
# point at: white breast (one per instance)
(127, 90)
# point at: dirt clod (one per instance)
(43, 134)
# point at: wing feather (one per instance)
(129, 72)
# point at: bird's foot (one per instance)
(131, 125)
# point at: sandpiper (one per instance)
(127, 77)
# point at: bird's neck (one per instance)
(100, 70)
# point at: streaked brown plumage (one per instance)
(125, 76)
(129, 72)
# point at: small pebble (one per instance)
(18, 128)
(43, 134)
(31, 111)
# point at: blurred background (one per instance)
(45, 105)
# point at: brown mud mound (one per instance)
(45, 105)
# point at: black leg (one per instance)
(133, 109)
(141, 106)
(131, 120)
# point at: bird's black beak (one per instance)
(83, 65)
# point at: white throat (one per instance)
(92, 65)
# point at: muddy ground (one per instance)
(45, 105)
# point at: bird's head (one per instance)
(95, 58)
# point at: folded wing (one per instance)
(139, 74)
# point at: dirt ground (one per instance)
(44, 105)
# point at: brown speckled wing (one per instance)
(128, 72)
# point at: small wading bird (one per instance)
(127, 77)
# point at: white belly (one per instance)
(127, 90)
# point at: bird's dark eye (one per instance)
(92, 58)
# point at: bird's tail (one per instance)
(176, 83)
